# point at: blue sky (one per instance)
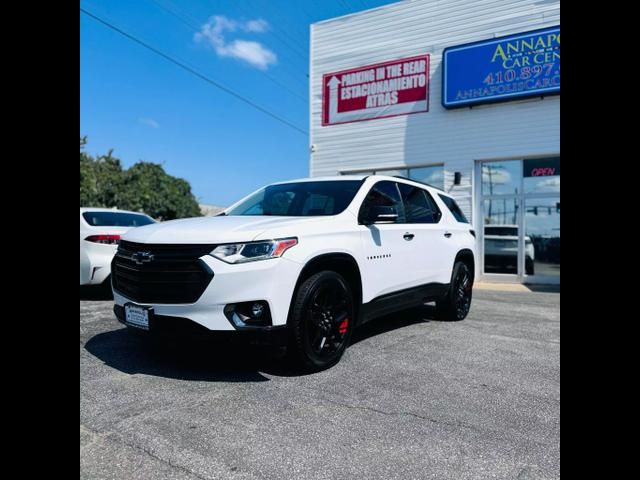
(146, 108)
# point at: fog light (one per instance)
(255, 313)
(257, 309)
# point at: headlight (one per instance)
(252, 251)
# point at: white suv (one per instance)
(300, 264)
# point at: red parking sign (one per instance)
(397, 87)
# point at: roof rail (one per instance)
(418, 181)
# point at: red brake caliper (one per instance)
(343, 326)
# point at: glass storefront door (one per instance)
(501, 235)
(501, 216)
(542, 236)
(520, 212)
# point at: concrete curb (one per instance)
(516, 287)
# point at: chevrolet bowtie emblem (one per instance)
(142, 257)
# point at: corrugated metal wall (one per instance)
(455, 138)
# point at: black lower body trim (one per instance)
(403, 299)
(179, 327)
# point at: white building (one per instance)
(209, 210)
(377, 84)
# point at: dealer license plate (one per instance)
(136, 316)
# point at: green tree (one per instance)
(147, 187)
(144, 187)
(88, 193)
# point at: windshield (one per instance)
(303, 199)
(116, 219)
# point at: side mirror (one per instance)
(379, 214)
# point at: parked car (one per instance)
(501, 248)
(100, 232)
(300, 264)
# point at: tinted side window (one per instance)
(437, 214)
(418, 204)
(383, 194)
(454, 208)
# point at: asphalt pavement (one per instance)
(413, 398)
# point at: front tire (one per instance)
(455, 306)
(321, 322)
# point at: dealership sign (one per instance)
(398, 87)
(501, 69)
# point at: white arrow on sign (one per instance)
(333, 98)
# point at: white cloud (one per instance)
(495, 175)
(258, 26)
(436, 177)
(149, 122)
(252, 52)
(551, 184)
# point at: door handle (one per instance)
(447, 234)
(408, 236)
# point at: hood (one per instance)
(215, 230)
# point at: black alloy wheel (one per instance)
(463, 285)
(457, 303)
(322, 321)
(328, 318)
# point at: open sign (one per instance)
(543, 172)
(541, 167)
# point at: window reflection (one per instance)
(501, 236)
(542, 184)
(541, 175)
(542, 227)
(433, 176)
(501, 178)
(394, 173)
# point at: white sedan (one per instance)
(100, 231)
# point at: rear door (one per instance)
(428, 248)
(458, 232)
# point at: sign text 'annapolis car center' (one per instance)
(506, 68)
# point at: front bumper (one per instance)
(183, 328)
(272, 281)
